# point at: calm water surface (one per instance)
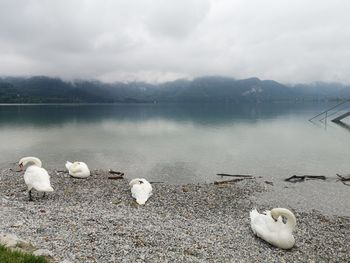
(177, 143)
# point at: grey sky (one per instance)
(157, 40)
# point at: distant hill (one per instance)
(203, 89)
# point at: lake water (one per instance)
(177, 143)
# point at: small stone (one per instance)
(134, 204)
(43, 252)
(40, 230)
(12, 241)
(116, 201)
(25, 245)
(17, 224)
(9, 240)
(184, 189)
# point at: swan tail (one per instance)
(68, 165)
(141, 200)
(253, 215)
(49, 189)
(44, 188)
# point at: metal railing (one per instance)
(336, 111)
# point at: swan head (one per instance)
(27, 160)
(137, 181)
(291, 220)
(275, 214)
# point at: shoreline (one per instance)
(96, 220)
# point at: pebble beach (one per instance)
(96, 220)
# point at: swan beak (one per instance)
(20, 167)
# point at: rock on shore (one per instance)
(96, 220)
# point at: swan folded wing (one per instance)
(80, 174)
(38, 178)
(264, 225)
(141, 192)
(43, 187)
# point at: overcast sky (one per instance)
(159, 40)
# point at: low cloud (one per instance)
(157, 40)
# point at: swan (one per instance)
(141, 190)
(270, 227)
(78, 169)
(35, 176)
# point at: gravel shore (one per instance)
(96, 220)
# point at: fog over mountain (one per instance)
(204, 89)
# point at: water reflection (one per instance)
(48, 115)
(176, 143)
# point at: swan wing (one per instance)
(141, 192)
(85, 172)
(37, 178)
(263, 224)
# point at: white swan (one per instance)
(78, 169)
(141, 190)
(35, 176)
(270, 227)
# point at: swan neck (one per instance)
(34, 160)
(291, 220)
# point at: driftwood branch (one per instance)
(118, 177)
(230, 181)
(156, 182)
(240, 177)
(15, 170)
(236, 175)
(115, 172)
(302, 178)
(344, 178)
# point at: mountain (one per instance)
(203, 89)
